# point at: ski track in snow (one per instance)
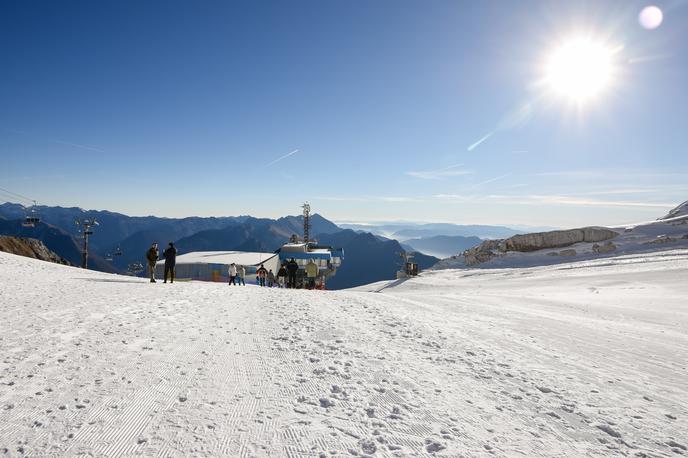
(587, 359)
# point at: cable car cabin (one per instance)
(31, 221)
(327, 259)
(410, 269)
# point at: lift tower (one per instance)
(85, 226)
(306, 222)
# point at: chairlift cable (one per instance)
(27, 199)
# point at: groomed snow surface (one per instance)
(586, 359)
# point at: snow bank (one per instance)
(583, 359)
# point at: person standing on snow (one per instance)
(152, 257)
(241, 273)
(292, 269)
(170, 255)
(262, 275)
(282, 276)
(232, 274)
(311, 273)
(271, 279)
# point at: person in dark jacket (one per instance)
(152, 257)
(282, 276)
(292, 269)
(262, 274)
(170, 255)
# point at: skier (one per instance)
(262, 274)
(271, 279)
(170, 255)
(292, 268)
(152, 258)
(282, 276)
(241, 272)
(232, 274)
(311, 273)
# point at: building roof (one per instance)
(224, 257)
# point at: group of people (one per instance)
(237, 274)
(267, 278)
(170, 255)
(286, 276)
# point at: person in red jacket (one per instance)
(262, 274)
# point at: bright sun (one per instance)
(579, 69)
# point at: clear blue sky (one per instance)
(181, 108)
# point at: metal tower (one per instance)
(306, 221)
(85, 226)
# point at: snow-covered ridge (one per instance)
(669, 232)
(582, 359)
(681, 210)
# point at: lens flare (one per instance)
(651, 17)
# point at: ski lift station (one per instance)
(213, 265)
(326, 258)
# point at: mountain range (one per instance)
(367, 258)
(443, 246)
(403, 231)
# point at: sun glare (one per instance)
(579, 69)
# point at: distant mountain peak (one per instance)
(681, 210)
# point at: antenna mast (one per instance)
(306, 222)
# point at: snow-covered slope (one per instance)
(681, 210)
(585, 359)
(669, 232)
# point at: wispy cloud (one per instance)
(77, 145)
(555, 200)
(440, 174)
(282, 158)
(491, 180)
(621, 192)
(607, 174)
(643, 59)
(513, 120)
(54, 140)
(477, 143)
(391, 199)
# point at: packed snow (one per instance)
(582, 359)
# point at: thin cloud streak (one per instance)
(77, 145)
(439, 174)
(491, 180)
(607, 173)
(282, 158)
(391, 199)
(534, 199)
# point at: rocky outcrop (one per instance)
(557, 239)
(662, 239)
(607, 247)
(30, 248)
(539, 241)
